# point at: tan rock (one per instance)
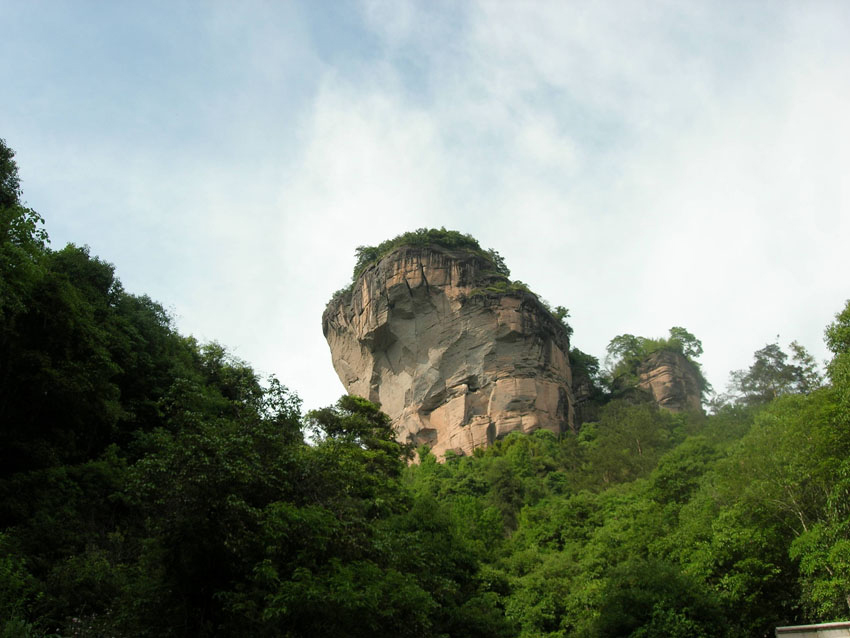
(454, 366)
(672, 380)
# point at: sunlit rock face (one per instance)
(672, 380)
(454, 366)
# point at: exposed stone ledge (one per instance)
(453, 365)
(672, 381)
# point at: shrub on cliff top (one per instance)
(452, 239)
(498, 283)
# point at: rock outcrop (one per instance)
(453, 353)
(672, 380)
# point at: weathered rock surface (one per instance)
(454, 366)
(672, 380)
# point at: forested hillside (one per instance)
(151, 485)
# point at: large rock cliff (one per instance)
(453, 353)
(672, 380)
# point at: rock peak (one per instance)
(672, 380)
(456, 354)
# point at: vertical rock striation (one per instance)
(453, 354)
(672, 380)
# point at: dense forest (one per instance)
(151, 485)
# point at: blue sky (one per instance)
(646, 164)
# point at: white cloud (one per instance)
(646, 164)
(657, 163)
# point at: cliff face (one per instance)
(672, 381)
(454, 366)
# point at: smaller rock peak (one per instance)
(455, 353)
(672, 379)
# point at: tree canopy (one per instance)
(772, 375)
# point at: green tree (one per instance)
(60, 400)
(823, 552)
(10, 182)
(654, 599)
(838, 341)
(22, 244)
(823, 547)
(624, 347)
(626, 443)
(679, 472)
(837, 334)
(562, 314)
(203, 489)
(772, 375)
(685, 342)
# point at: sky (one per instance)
(646, 164)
